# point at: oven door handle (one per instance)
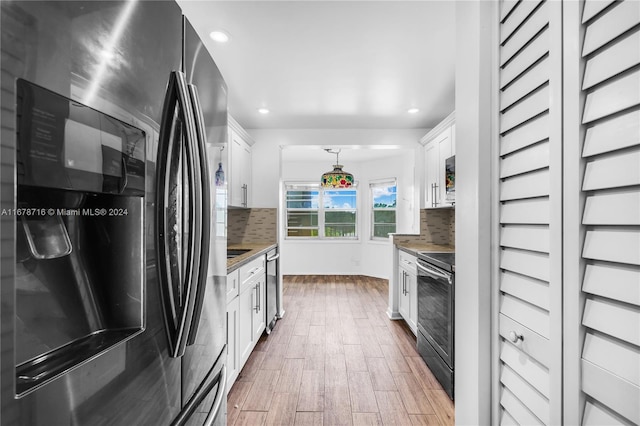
(434, 272)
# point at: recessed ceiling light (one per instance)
(263, 110)
(413, 110)
(219, 36)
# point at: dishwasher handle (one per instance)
(272, 258)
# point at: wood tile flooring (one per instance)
(336, 359)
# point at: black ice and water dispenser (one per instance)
(79, 234)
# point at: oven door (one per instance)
(435, 309)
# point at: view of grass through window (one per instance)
(384, 200)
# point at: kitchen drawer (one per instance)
(407, 261)
(250, 271)
(233, 285)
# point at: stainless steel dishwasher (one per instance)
(272, 289)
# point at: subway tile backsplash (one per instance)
(252, 226)
(437, 226)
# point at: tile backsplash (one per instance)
(252, 226)
(437, 226)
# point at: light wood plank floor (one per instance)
(336, 359)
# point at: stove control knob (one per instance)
(514, 337)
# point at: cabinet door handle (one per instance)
(257, 307)
(406, 291)
(245, 195)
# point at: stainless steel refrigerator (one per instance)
(112, 273)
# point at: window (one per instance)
(314, 212)
(383, 203)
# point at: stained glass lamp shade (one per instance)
(337, 178)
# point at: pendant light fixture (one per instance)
(336, 178)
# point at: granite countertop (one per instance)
(414, 248)
(256, 249)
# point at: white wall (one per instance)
(376, 261)
(473, 212)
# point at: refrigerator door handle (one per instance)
(201, 393)
(220, 394)
(177, 305)
(203, 211)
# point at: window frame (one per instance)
(321, 211)
(380, 183)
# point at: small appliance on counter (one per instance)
(436, 289)
(450, 179)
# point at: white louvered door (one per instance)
(569, 213)
(529, 379)
(610, 364)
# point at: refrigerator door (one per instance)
(115, 57)
(208, 334)
(178, 213)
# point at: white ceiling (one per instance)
(347, 155)
(333, 64)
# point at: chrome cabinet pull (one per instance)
(257, 306)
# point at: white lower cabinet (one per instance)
(258, 316)
(408, 290)
(245, 315)
(246, 336)
(233, 359)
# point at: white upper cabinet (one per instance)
(439, 144)
(239, 175)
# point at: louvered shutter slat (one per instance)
(613, 281)
(526, 288)
(593, 7)
(532, 237)
(528, 134)
(613, 244)
(535, 50)
(524, 262)
(622, 17)
(534, 184)
(533, 211)
(527, 108)
(536, 403)
(506, 7)
(613, 171)
(613, 318)
(526, 160)
(520, 14)
(615, 392)
(615, 207)
(608, 353)
(615, 96)
(526, 367)
(619, 57)
(620, 132)
(530, 316)
(525, 33)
